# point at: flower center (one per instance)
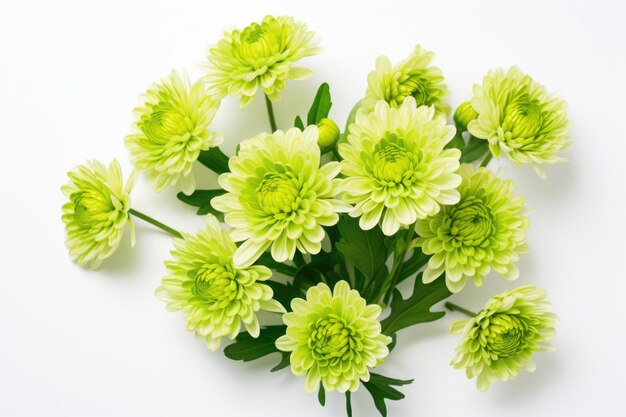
(393, 165)
(523, 117)
(418, 86)
(279, 193)
(164, 123)
(215, 283)
(506, 335)
(472, 222)
(88, 208)
(256, 42)
(331, 338)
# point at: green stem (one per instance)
(270, 113)
(336, 154)
(486, 160)
(453, 307)
(348, 404)
(398, 262)
(154, 222)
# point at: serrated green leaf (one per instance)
(284, 293)
(214, 159)
(457, 141)
(474, 150)
(364, 249)
(202, 200)
(298, 123)
(416, 308)
(247, 348)
(417, 260)
(321, 105)
(284, 362)
(266, 260)
(380, 387)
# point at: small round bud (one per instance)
(464, 114)
(328, 134)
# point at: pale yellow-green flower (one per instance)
(171, 130)
(413, 77)
(520, 119)
(216, 296)
(485, 230)
(502, 338)
(395, 166)
(334, 338)
(261, 56)
(279, 196)
(97, 211)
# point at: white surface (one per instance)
(78, 343)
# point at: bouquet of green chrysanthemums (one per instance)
(324, 225)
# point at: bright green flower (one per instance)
(279, 196)
(333, 337)
(171, 130)
(96, 212)
(484, 230)
(501, 339)
(260, 56)
(396, 166)
(518, 117)
(216, 296)
(413, 77)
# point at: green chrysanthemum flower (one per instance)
(171, 130)
(501, 339)
(279, 196)
(413, 77)
(333, 337)
(260, 56)
(484, 230)
(396, 166)
(97, 211)
(216, 296)
(518, 117)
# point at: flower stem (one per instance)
(486, 160)
(453, 307)
(398, 262)
(154, 222)
(270, 113)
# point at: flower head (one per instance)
(279, 196)
(171, 129)
(260, 56)
(413, 77)
(484, 230)
(501, 339)
(216, 296)
(396, 167)
(518, 117)
(334, 337)
(97, 211)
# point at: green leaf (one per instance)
(321, 105)
(351, 118)
(247, 348)
(284, 362)
(214, 159)
(380, 387)
(474, 150)
(202, 200)
(321, 395)
(298, 123)
(364, 249)
(416, 308)
(266, 260)
(457, 141)
(284, 293)
(413, 264)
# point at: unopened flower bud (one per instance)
(464, 114)
(328, 134)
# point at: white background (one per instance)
(79, 343)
